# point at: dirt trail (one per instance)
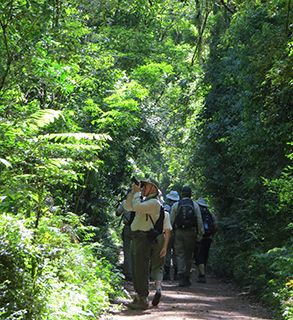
(213, 300)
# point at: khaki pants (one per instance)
(157, 263)
(185, 240)
(144, 255)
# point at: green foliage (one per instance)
(195, 92)
(18, 281)
(241, 142)
(271, 273)
(48, 274)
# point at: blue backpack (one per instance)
(208, 221)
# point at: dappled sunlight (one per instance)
(212, 301)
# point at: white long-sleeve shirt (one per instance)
(143, 209)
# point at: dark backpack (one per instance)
(158, 226)
(130, 219)
(208, 221)
(186, 215)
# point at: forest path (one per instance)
(213, 300)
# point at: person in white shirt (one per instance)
(144, 200)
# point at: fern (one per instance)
(77, 136)
(42, 118)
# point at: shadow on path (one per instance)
(209, 301)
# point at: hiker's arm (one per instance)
(167, 235)
(145, 207)
(199, 222)
(135, 193)
(173, 213)
(215, 222)
(167, 227)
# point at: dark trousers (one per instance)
(202, 249)
(126, 237)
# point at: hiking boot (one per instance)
(175, 276)
(183, 281)
(139, 303)
(157, 298)
(201, 278)
(166, 276)
(180, 280)
(128, 278)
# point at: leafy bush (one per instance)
(46, 274)
(271, 279)
(21, 293)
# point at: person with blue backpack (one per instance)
(187, 224)
(202, 248)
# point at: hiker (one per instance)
(171, 198)
(126, 218)
(202, 248)
(187, 223)
(144, 200)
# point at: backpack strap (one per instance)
(120, 221)
(162, 211)
(151, 219)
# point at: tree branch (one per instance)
(227, 8)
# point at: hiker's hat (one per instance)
(173, 195)
(152, 182)
(202, 202)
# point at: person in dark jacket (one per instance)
(126, 218)
(202, 248)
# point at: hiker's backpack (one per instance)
(208, 222)
(186, 215)
(129, 219)
(158, 226)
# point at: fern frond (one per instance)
(75, 146)
(61, 162)
(77, 136)
(42, 118)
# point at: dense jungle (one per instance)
(95, 92)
